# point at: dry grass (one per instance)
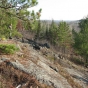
(11, 78)
(68, 77)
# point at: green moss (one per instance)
(8, 48)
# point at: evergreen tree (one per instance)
(47, 32)
(38, 29)
(81, 39)
(64, 35)
(6, 24)
(20, 8)
(53, 33)
(12, 10)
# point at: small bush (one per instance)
(8, 48)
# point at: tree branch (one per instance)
(19, 17)
(7, 7)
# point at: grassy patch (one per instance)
(8, 48)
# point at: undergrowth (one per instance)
(8, 48)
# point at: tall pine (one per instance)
(64, 35)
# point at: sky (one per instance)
(62, 9)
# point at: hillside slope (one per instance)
(30, 68)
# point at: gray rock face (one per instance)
(43, 73)
(37, 63)
(42, 69)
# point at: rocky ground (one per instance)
(30, 68)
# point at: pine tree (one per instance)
(64, 35)
(81, 39)
(38, 30)
(53, 33)
(12, 10)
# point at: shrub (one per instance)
(8, 48)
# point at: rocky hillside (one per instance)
(42, 68)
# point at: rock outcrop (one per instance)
(37, 65)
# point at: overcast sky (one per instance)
(62, 9)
